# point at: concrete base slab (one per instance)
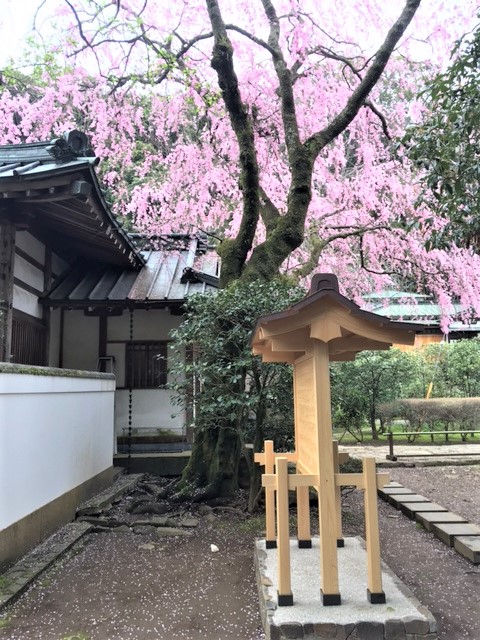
(410, 509)
(429, 519)
(448, 532)
(468, 547)
(401, 617)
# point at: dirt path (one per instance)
(126, 586)
(122, 586)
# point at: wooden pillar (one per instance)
(326, 489)
(303, 518)
(285, 596)
(338, 497)
(270, 540)
(375, 592)
(7, 257)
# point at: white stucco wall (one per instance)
(56, 432)
(152, 408)
(25, 241)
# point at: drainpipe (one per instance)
(7, 258)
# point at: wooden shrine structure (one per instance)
(323, 327)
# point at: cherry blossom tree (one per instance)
(270, 124)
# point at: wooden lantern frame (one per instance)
(323, 327)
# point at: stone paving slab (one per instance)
(448, 532)
(101, 501)
(410, 509)
(401, 618)
(16, 579)
(427, 520)
(395, 491)
(404, 498)
(468, 547)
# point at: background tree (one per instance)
(359, 386)
(445, 145)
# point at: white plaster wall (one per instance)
(56, 432)
(26, 301)
(28, 273)
(155, 324)
(28, 243)
(151, 410)
(80, 341)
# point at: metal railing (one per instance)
(392, 456)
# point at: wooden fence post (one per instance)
(303, 518)
(338, 497)
(375, 592)
(285, 596)
(270, 540)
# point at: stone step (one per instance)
(394, 491)
(403, 499)
(468, 547)
(103, 500)
(427, 520)
(448, 532)
(410, 509)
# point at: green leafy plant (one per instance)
(233, 398)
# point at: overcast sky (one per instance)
(16, 21)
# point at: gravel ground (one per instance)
(121, 586)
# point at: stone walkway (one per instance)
(451, 529)
(425, 453)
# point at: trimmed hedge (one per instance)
(435, 414)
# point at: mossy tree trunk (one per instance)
(214, 461)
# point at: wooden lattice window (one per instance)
(29, 341)
(146, 365)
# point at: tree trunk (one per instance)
(213, 467)
(373, 423)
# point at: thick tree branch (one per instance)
(269, 212)
(319, 140)
(234, 252)
(318, 245)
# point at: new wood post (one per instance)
(270, 540)
(303, 518)
(326, 487)
(374, 581)
(338, 496)
(285, 597)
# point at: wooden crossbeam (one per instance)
(308, 480)
(261, 457)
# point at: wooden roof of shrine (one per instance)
(52, 188)
(326, 315)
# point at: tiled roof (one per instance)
(168, 278)
(52, 188)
